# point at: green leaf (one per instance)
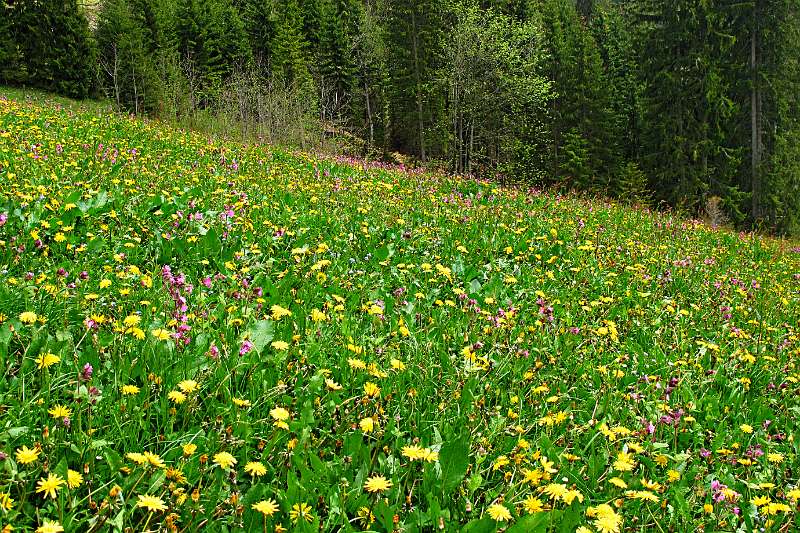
(261, 334)
(481, 525)
(454, 461)
(535, 523)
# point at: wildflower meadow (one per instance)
(203, 335)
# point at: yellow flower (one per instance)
(27, 455)
(281, 346)
(132, 321)
(279, 312)
(74, 479)
(413, 452)
(188, 386)
(255, 468)
(617, 482)
(301, 511)
(49, 527)
(499, 512)
(241, 403)
(224, 460)
(279, 413)
(367, 425)
(151, 503)
(332, 385)
(606, 520)
(130, 389)
(624, 462)
(154, 460)
(266, 507)
(673, 475)
(775, 457)
(6, 501)
(161, 334)
(137, 458)
(644, 495)
(533, 505)
(746, 428)
(371, 390)
(50, 486)
(28, 317)
(377, 484)
(555, 490)
(189, 448)
(46, 360)
(177, 396)
(59, 411)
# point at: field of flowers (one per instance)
(204, 335)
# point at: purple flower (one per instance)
(247, 346)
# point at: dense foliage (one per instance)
(691, 104)
(204, 335)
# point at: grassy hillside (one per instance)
(206, 335)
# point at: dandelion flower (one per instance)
(188, 386)
(371, 390)
(46, 360)
(49, 527)
(177, 396)
(27, 455)
(151, 503)
(6, 501)
(499, 512)
(154, 460)
(59, 411)
(224, 460)
(255, 468)
(377, 484)
(533, 505)
(279, 413)
(239, 402)
(555, 490)
(301, 511)
(266, 507)
(161, 334)
(281, 346)
(129, 390)
(50, 486)
(74, 479)
(28, 317)
(367, 425)
(189, 448)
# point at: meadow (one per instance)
(199, 334)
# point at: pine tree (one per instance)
(289, 47)
(336, 63)
(127, 54)
(55, 45)
(582, 106)
(688, 151)
(258, 17)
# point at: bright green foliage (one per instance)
(492, 66)
(216, 336)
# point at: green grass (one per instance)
(505, 359)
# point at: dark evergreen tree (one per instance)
(688, 152)
(582, 103)
(55, 45)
